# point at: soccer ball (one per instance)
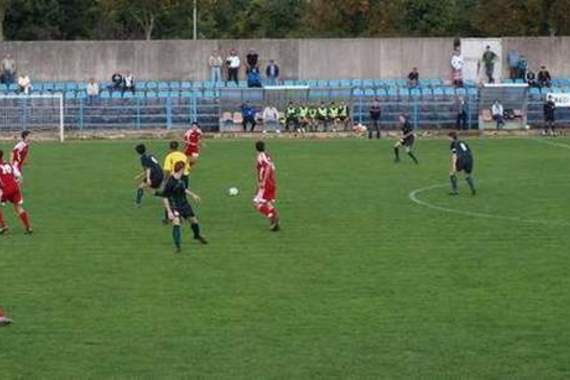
(233, 191)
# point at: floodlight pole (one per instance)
(195, 17)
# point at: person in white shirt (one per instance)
(270, 117)
(234, 64)
(129, 82)
(497, 112)
(92, 87)
(215, 63)
(24, 84)
(457, 64)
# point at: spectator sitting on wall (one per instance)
(128, 83)
(8, 74)
(253, 79)
(489, 58)
(24, 84)
(544, 79)
(251, 59)
(457, 64)
(530, 78)
(513, 60)
(117, 82)
(414, 78)
(248, 116)
(272, 73)
(497, 112)
(92, 88)
(233, 63)
(270, 117)
(215, 63)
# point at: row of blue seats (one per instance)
(559, 82)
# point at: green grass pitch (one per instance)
(362, 282)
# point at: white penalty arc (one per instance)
(413, 195)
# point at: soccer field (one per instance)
(377, 272)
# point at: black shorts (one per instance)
(156, 181)
(186, 180)
(408, 141)
(464, 164)
(549, 118)
(185, 211)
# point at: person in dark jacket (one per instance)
(375, 113)
(272, 73)
(248, 116)
(543, 77)
(549, 107)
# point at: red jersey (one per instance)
(266, 178)
(9, 184)
(192, 139)
(20, 154)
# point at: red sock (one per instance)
(2, 223)
(25, 219)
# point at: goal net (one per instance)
(514, 101)
(35, 112)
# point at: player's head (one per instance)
(452, 135)
(173, 145)
(260, 146)
(194, 124)
(179, 167)
(141, 149)
(25, 135)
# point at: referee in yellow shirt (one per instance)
(174, 156)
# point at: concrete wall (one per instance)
(303, 59)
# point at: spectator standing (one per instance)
(522, 67)
(461, 119)
(489, 58)
(544, 79)
(128, 83)
(8, 74)
(457, 64)
(270, 117)
(272, 73)
(233, 63)
(116, 82)
(248, 116)
(215, 63)
(24, 84)
(513, 60)
(92, 89)
(375, 114)
(413, 78)
(252, 59)
(497, 111)
(253, 79)
(549, 107)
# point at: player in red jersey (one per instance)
(264, 200)
(10, 192)
(192, 139)
(20, 151)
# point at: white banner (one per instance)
(560, 100)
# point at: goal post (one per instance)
(513, 97)
(33, 112)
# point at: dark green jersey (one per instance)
(175, 192)
(148, 161)
(461, 149)
(291, 111)
(333, 112)
(343, 111)
(322, 111)
(303, 111)
(312, 112)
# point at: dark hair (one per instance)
(25, 134)
(141, 149)
(195, 123)
(260, 146)
(179, 166)
(173, 145)
(453, 135)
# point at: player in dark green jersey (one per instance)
(177, 205)
(461, 161)
(408, 139)
(152, 175)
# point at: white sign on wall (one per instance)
(560, 99)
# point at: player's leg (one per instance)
(270, 212)
(140, 193)
(176, 234)
(410, 151)
(469, 176)
(195, 225)
(3, 226)
(397, 151)
(24, 217)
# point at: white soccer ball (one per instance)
(233, 191)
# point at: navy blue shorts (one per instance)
(464, 164)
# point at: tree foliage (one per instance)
(158, 19)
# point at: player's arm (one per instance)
(168, 209)
(193, 195)
(453, 163)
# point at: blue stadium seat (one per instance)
(323, 83)
(129, 95)
(289, 82)
(163, 94)
(369, 92)
(174, 85)
(334, 83)
(185, 85)
(60, 87)
(345, 83)
(357, 92)
(163, 86)
(116, 95)
(368, 83)
(71, 86)
(70, 95)
(357, 82)
(242, 84)
(47, 86)
(312, 83)
(416, 93)
(151, 85)
(105, 94)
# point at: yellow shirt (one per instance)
(171, 160)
